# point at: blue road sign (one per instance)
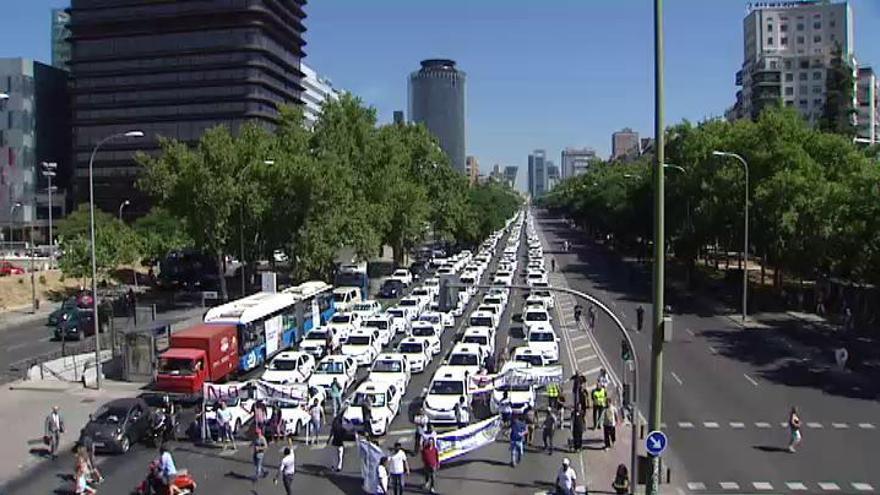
(656, 442)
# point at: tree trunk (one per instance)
(397, 254)
(763, 269)
(222, 273)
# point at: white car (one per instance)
(447, 388)
(545, 341)
(294, 416)
(427, 332)
(400, 318)
(536, 318)
(543, 295)
(470, 281)
(403, 275)
(384, 400)
(315, 342)
(289, 367)
(504, 294)
(417, 353)
(385, 325)
(480, 336)
(468, 357)
(496, 300)
(534, 277)
(391, 367)
(520, 397)
(423, 293)
(342, 368)
(503, 278)
(464, 298)
(414, 305)
(363, 345)
(482, 319)
(432, 284)
(439, 320)
(492, 309)
(366, 308)
(241, 411)
(530, 356)
(342, 324)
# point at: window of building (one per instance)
(804, 64)
(783, 28)
(818, 102)
(800, 40)
(800, 26)
(833, 38)
(817, 25)
(789, 103)
(770, 40)
(783, 41)
(817, 75)
(832, 23)
(802, 90)
(817, 90)
(817, 39)
(787, 64)
(789, 77)
(770, 28)
(774, 64)
(802, 76)
(802, 103)
(789, 91)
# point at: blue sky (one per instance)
(541, 74)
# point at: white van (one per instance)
(344, 298)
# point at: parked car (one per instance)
(385, 325)
(362, 345)
(7, 268)
(403, 275)
(289, 367)
(75, 324)
(417, 352)
(117, 425)
(384, 399)
(343, 368)
(391, 368)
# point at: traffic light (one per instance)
(625, 351)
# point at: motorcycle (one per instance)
(155, 485)
(162, 427)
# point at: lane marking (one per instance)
(762, 485)
(762, 424)
(729, 485)
(839, 426)
(587, 358)
(713, 350)
(814, 425)
(862, 487)
(593, 370)
(737, 425)
(691, 332)
(829, 486)
(578, 337)
(676, 378)
(685, 424)
(750, 379)
(866, 426)
(710, 424)
(696, 485)
(796, 486)
(582, 347)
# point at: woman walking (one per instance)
(794, 426)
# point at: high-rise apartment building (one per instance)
(318, 89)
(537, 173)
(437, 99)
(174, 69)
(60, 43)
(868, 98)
(510, 173)
(472, 169)
(576, 161)
(553, 177)
(625, 144)
(34, 128)
(787, 50)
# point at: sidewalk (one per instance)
(24, 407)
(24, 314)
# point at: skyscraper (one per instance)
(60, 43)
(472, 169)
(624, 144)
(318, 89)
(537, 173)
(510, 173)
(437, 99)
(174, 69)
(576, 161)
(868, 97)
(552, 175)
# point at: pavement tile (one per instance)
(729, 485)
(862, 487)
(829, 486)
(796, 486)
(762, 485)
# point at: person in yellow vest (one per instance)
(553, 395)
(600, 400)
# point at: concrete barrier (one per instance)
(74, 368)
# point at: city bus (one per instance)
(353, 275)
(315, 301)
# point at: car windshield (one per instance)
(411, 348)
(358, 340)
(447, 387)
(409, 302)
(536, 316)
(430, 318)
(492, 300)
(388, 366)
(283, 365)
(476, 339)
(363, 307)
(173, 366)
(341, 319)
(423, 331)
(375, 400)
(541, 337)
(533, 359)
(535, 275)
(110, 415)
(481, 321)
(397, 313)
(542, 293)
(380, 324)
(464, 360)
(331, 368)
(517, 387)
(316, 335)
(339, 297)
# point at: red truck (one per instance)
(199, 354)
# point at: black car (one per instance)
(391, 289)
(118, 424)
(420, 268)
(75, 324)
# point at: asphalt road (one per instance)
(727, 391)
(483, 471)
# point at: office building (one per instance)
(576, 161)
(625, 144)
(399, 119)
(60, 43)
(436, 94)
(472, 169)
(868, 98)
(788, 48)
(537, 173)
(34, 128)
(553, 177)
(510, 174)
(318, 89)
(174, 69)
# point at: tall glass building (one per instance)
(437, 99)
(60, 43)
(174, 69)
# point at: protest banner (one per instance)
(275, 392)
(370, 455)
(463, 440)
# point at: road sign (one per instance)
(656, 442)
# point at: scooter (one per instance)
(155, 485)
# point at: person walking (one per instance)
(577, 313)
(286, 470)
(577, 384)
(551, 422)
(431, 462)
(604, 379)
(552, 394)
(367, 417)
(398, 467)
(336, 396)
(88, 451)
(577, 429)
(261, 415)
(517, 436)
(337, 440)
(81, 481)
(640, 318)
(794, 427)
(553, 264)
(275, 425)
(421, 422)
(382, 476)
(259, 446)
(610, 418)
(591, 318)
(224, 424)
(531, 420)
(53, 429)
(566, 478)
(316, 420)
(600, 398)
(460, 410)
(620, 485)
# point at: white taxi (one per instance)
(391, 367)
(289, 367)
(417, 353)
(342, 368)
(362, 345)
(384, 401)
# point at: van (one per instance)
(344, 298)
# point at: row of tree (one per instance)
(306, 191)
(814, 196)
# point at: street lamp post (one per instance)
(122, 206)
(745, 231)
(128, 134)
(241, 225)
(49, 173)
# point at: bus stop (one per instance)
(141, 346)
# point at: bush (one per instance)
(21, 281)
(62, 278)
(42, 280)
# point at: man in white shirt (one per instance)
(224, 424)
(398, 466)
(566, 478)
(382, 476)
(286, 470)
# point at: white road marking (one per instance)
(839, 426)
(762, 424)
(691, 332)
(750, 379)
(729, 485)
(866, 426)
(592, 370)
(762, 485)
(582, 347)
(676, 378)
(829, 486)
(587, 358)
(737, 425)
(685, 424)
(814, 425)
(796, 486)
(862, 487)
(577, 337)
(713, 350)
(696, 485)
(710, 424)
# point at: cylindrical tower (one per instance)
(437, 99)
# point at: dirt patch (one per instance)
(15, 290)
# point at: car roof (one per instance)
(446, 372)
(465, 348)
(290, 355)
(364, 332)
(335, 358)
(412, 340)
(373, 387)
(391, 356)
(380, 316)
(476, 331)
(525, 350)
(481, 313)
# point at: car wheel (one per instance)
(124, 444)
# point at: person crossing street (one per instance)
(600, 401)
(259, 446)
(566, 479)
(518, 431)
(286, 470)
(53, 429)
(610, 419)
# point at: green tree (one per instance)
(115, 243)
(838, 114)
(161, 232)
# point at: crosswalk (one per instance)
(787, 486)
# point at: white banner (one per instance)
(370, 455)
(274, 333)
(293, 392)
(213, 392)
(459, 442)
(535, 376)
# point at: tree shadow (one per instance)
(770, 448)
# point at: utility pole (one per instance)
(652, 485)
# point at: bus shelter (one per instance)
(141, 347)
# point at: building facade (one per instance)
(436, 95)
(60, 43)
(537, 173)
(787, 49)
(318, 89)
(472, 169)
(510, 174)
(553, 176)
(868, 98)
(576, 161)
(625, 144)
(34, 128)
(174, 70)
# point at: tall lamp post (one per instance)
(745, 231)
(241, 224)
(122, 206)
(128, 134)
(49, 173)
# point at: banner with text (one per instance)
(214, 392)
(292, 392)
(463, 440)
(370, 455)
